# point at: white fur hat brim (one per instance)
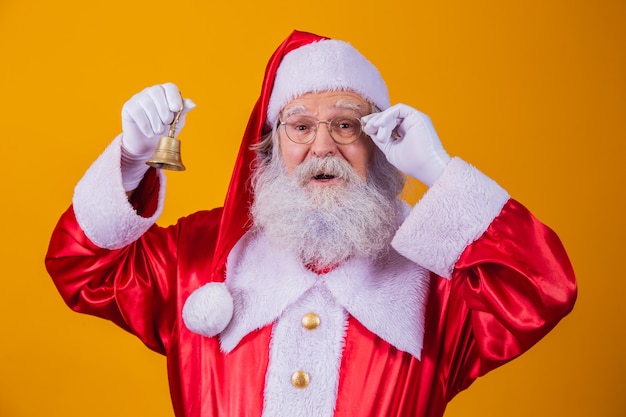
(326, 65)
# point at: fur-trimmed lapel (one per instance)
(388, 297)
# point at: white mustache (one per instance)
(330, 165)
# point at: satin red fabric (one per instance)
(509, 288)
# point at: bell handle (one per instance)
(172, 131)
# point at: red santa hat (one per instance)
(303, 63)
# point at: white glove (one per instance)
(409, 141)
(145, 118)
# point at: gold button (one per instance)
(310, 321)
(300, 379)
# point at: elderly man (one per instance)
(314, 291)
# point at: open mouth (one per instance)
(323, 177)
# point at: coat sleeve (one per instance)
(130, 286)
(518, 283)
(108, 258)
(506, 278)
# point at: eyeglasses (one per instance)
(302, 129)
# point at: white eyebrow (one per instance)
(349, 105)
(341, 104)
(293, 110)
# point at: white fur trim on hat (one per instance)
(209, 309)
(321, 66)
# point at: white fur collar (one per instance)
(387, 297)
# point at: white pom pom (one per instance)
(209, 309)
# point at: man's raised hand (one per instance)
(409, 141)
(147, 116)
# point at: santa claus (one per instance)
(314, 291)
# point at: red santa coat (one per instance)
(473, 280)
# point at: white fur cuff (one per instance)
(453, 213)
(101, 205)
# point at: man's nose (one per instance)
(323, 145)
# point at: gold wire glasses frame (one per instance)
(343, 130)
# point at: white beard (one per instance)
(325, 225)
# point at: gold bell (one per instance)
(167, 153)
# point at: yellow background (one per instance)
(532, 92)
